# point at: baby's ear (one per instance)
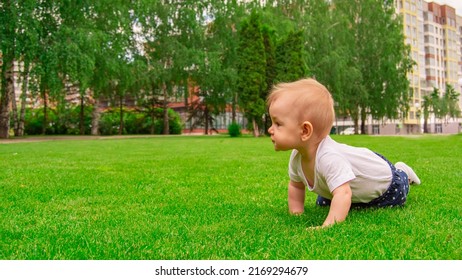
(307, 131)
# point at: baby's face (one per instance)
(285, 129)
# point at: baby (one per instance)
(302, 115)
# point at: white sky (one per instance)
(457, 4)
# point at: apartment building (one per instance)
(412, 13)
(434, 33)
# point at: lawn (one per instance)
(214, 197)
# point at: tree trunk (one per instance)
(267, 124)
(14, 107)
(7, 70)
(95, 117)
(233, 108)
(206, 120)
(25, 87)
(82, 113)
(425, 124)
(256, 131)
(356, 123)
(363, 121)
(22, 116)
(121, 108)
(166, 130)
(152, 113)
(45, 112)
(6, 97)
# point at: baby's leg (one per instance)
(413, 179)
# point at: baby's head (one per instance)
(309, 101)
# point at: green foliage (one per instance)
(252, 67)
(445, 106)
(59, 122)
(451, 102)
(61, 42)
(290, 62)
(33, 122)
(268, 34)
(139, 122)
(223, 48)
(175, 124)
(109, 123)
(368, 62)
(234, 130)
(67, 122)
(224, 198)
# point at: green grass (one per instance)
(212, 198)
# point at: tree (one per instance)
(110, 31)
(10, 12)
(62, 44)
(451, 98)
(375, 41)
(443, 107)
(427, 108)
(26, 48)
(437, 104)
(206, 62)
(166, 45)
(78, 40)
(207, 84)
(290, 63)
(268, 34)
(252, 70)
(222, 43)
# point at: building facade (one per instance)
(434, 33)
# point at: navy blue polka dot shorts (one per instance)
(395, 195)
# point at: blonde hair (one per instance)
(311, 101)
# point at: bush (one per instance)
(174, 125)
(33, 121)
(59, 121)
(139, 122)
(234, 130)
(109, 122)
(66, 121)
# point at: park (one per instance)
(212, 198)
(101, 107)
(78, 68)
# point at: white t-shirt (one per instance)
(368, 174)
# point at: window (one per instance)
(438, 128)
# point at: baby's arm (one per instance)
(296, 197)
(340, 205)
